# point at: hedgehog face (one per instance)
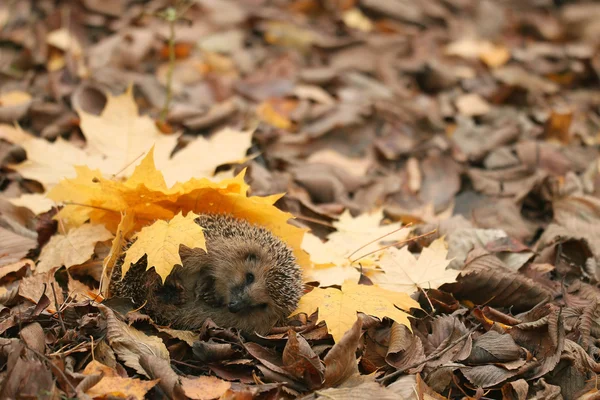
(241, 276)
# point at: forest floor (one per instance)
(439, 159)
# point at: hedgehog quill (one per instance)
(247, 279)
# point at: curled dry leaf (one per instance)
(14, 246)
(129, 343)
(300, 361)
(76, 247)
(486, 280)
(340, 362)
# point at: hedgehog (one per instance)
(247, 279)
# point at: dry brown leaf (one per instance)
(14, 246)
(129, 344)
(187, 336)
(32, 288)
(76, 247)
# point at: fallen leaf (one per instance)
(267, 112)
(202, 156)
(32, 288)
(492, 55)
(14, 98)
(354, 18)
(129, 343)
(338, 308)
(160, 242)
(14, 246)
(355, 243)
(121, 135)
(146, 195)
(112, 385)
(340, 362)
(204, 387)
(47, 162)
(36, 202)
(407, 274)
(472, 105)
(76, 247)
(289, 35)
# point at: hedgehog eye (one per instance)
(251, 257)
(249, 278)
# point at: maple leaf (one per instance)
(403, 272)
(337, 258)
(338, 308)
(121, 135)
(47, 162)
(36, 202)
(146, 195)
(76, 247)
(202, 156)
(160, 242)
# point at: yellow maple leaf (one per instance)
(145, 194)
(338, 308)
(202, 156)
(356, 240)
(47, 162)
(116, 139)
(403, 272)
(76, 247)
(36, 202)
(121, 134)
(160, 242)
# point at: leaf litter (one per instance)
(474, 121)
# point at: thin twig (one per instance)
(62, 323)
(395, 244)
(51, 364)
(314, 220)
(433, 356)
(171, 17)
(378, 239)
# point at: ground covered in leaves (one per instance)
(439, 157)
